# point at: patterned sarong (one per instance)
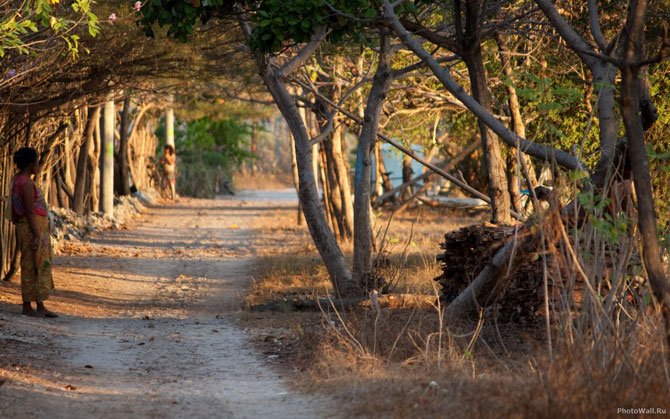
(36, 280)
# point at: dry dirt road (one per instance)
(148, 325)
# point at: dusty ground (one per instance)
(150, 322)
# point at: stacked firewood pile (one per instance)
(467, 252)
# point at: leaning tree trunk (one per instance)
(362, 266)
(107, 160)
(323, 237)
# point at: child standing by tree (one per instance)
(169, 166)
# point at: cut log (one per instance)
(487, 265)
(455, 203)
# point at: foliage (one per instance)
(180, 16)
(295, 21)
(20, 24)
(658, 139)
(278, 23)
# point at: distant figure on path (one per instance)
(29, 214)
(169, 165)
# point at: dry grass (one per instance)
(405, 363)
(490, 380)
(288, 276)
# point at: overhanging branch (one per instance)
(537, 150)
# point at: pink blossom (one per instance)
(138, 6)
(11, 74)
(112, 18)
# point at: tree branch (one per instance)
(594, 24)
(571, 37)
(540, 151)
(453, 179)
(305, 52)
(432, 36)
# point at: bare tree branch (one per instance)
(594, 23)
(305, 52)
(540, 151)
(571, 37)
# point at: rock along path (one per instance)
(147, 326)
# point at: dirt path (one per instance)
(148, 323)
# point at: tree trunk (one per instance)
(468, 35)
(82, 163)
(323, 237)
(308, 119)
(296, 181)
(60, 196)
(107, 160)
(342, 166)
(61, 176)
(330, 198)
(630, 99)
(608, 123)
(337, 172)
(362, 266)
(254, 149)
(169, 125)
(604, 74)
(493, 158)
(515, 172)
(94, 163)
(64, 167)
(124, 187)
(344, 179)
(332, 156)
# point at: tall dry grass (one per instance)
(602, 348)
(598, 347)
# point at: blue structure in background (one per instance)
(393, 162)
